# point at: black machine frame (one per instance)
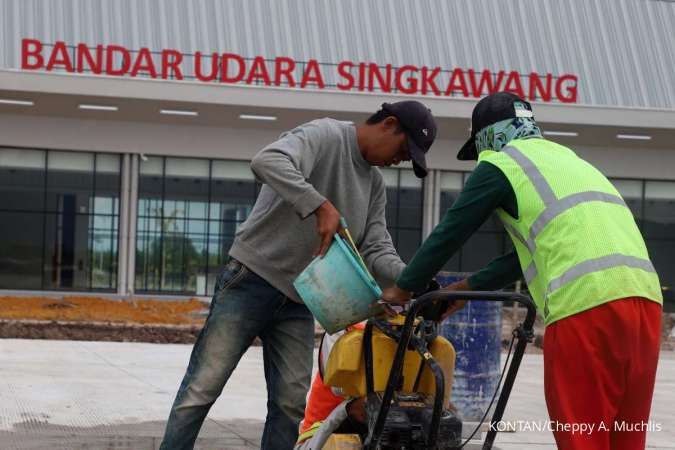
(406, 340)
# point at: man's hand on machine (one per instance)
(456, 305)
(395, 296)
(394, 299)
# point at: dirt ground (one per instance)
(100, 319)
(160, 321)
(97, 309)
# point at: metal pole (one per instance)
(123, 238)
(133, 211)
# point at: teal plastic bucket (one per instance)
(337, 289)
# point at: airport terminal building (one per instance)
(127, 127)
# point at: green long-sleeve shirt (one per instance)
(486, 190)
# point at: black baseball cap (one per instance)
(491, 109)
(420, 128)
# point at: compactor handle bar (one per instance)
(523, 333)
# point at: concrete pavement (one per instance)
(103, 395)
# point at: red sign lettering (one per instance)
(230, 68)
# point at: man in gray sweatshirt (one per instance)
(312, 175)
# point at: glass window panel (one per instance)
(187, 167)
(70, 161)
(232, 202)
(232, 170)
(70, 181)
(22, 158)
(661, 190)
(215, 210)
(197, 210)
(403, 210)
(103, 253)
(197, 226)
(390, 177)
(102, 222)
(451, 181)
(480, 249)
(174, 209)
(409, 180)
(408, 243)
(628, 188)
(174, 256)
(451, 185)
(150, 187)
(72, 234)
(233, 191)
(106, 163)
(108, 175)
(186, 188)
(631, 191)
(107, 184)
(216, 252)
(22, 188)
(661, 253)
(218, 248)
(102, 205)
(152, 165)
(21, 247)
(67, 250)
(150, 207)
(171, 249)
(148, 245)
(410, 208)
(391, 209)
(659, 220)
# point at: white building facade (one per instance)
(126, 127)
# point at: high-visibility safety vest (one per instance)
(577, 241)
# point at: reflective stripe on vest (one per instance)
(309, 432)
(596, 265)
(531, 270)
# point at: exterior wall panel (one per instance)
(622, 51)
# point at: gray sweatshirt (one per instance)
(316, 161)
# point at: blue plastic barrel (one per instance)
(475, 332)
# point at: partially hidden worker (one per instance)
(328, 411)
(585, 263)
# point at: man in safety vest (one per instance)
(585, 264)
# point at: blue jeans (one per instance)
(245, 306)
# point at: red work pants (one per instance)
(599, 371)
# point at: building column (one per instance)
(123, 237)
(431, 199)
(133, 213)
